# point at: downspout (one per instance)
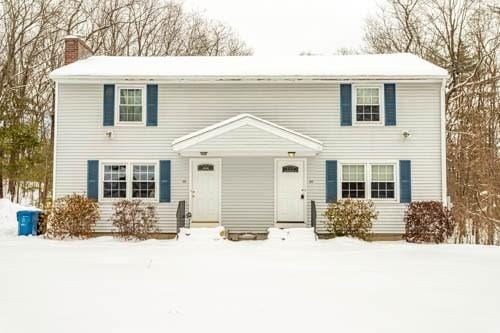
(444, 185)
(56, 103)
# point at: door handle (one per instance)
(302, 196)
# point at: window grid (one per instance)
(367, 104)
(131, 104)
(205, 167)
(143, 181)
(290, 168)
(353, 181)
(115, 181)
(382, 182)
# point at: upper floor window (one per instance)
(131, 104)
(367, 104)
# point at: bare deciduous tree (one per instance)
(462, 36)
(31, 35)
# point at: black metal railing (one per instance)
(313, 215)
(181, 215)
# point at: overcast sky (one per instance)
(288, 27)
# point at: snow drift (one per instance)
(8, 219)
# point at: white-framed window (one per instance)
(368, 180)
(368, 102)
(353, 181)
(115, 181)
(144, 181)
(131, 104)
(129, 180)
(383, 181)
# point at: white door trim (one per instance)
(276, 160)
(217, 161)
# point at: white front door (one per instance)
(205, 190)
(290, 190)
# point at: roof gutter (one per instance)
(246, 79)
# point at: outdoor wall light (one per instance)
(291, 154)
(203, 153)
(405, 134)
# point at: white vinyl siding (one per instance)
(235, 141)
(247, 202)
(248, 193)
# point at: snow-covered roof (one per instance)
(399, 65)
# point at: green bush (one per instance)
(351, 218)
(133, 220)
(428, 221)
(72, 216)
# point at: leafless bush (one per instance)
(133, 220)
(463, 37)
(351, 218)
(72, 216)
(428, 221)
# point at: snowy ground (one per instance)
(203, 284)
(8, 220)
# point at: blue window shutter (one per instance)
(152, 105)
(390, 104)
(93, 179)
(345, 105)
(165, 181)
(109, 105)
(331, 181)
(405, 181)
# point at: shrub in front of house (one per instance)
(429, 222)
(41, 228)
(72, 216)
(351, 218)
(133, 220)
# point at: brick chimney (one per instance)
(75, 49)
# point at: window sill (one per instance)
(113, 200)
(377, 201)
(368, 124)
(131, 124)
(385, 201)
(146, 200)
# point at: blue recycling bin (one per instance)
(27, 222)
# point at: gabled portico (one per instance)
(246, 162)
(246, 135)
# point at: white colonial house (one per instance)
(251, 142)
